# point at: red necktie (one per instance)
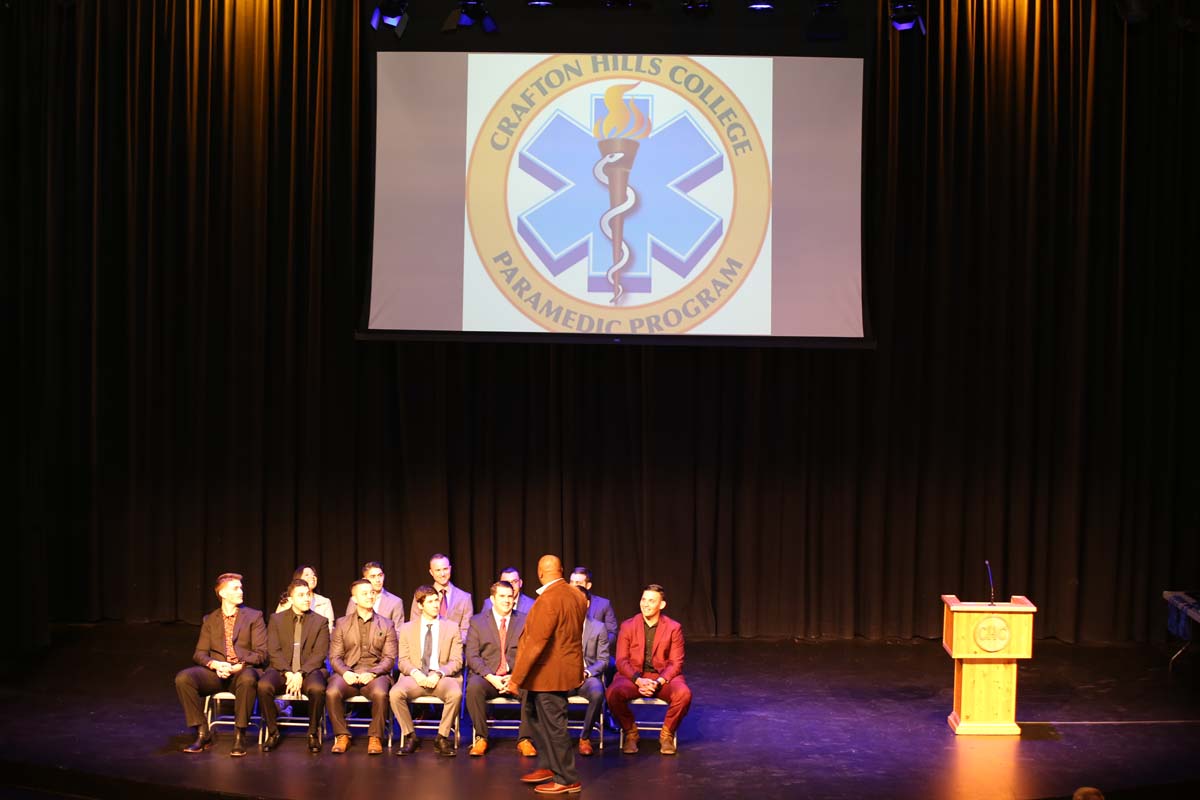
(503, 647)
(442, 610)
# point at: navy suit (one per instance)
(602, 611)
(595, 661)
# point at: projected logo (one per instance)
(618, 194)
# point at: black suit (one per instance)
(482, 655)
(314, 647)
(250, 647)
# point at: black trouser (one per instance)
(195, 682)
(274, 682)
(546, 715)
(479, 691)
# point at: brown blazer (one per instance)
(249, 638)
(550, 650)
(450, 647)
(345, 650)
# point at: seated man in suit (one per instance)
(595, 661)
(600, 609)
(455, 604)
(385, 603)
(650, 664)
(297, 643)
(512, 576)
(431, 657)
(362, 653)
(491, 652)
(233, 641)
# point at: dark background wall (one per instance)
(186, 240)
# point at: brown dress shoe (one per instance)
(666, 742)
(340, 743)
(479, 748)
(631, 741)
(374, 746)
(585, 747)
(559, 788)
(537, 776)
(526, 748)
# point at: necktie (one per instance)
(503, 647)
(427, 650)
(443, 609)
(296, 629)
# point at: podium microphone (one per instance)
(991, 583)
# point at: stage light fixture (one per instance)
(540, 3)
(828, 23)
(467, 14)
(905, 15)
(696, 6)
(392, 14)
(760, 5)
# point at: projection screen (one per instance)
(619, 195)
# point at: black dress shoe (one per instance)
(410, 745)
(203, 741)
(314, 743)
(239, 743)
(273, 740)
(442, 745)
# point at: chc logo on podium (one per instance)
(618, 194)
(992, 634)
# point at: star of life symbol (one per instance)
(642, 215)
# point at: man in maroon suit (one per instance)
(549, 667)
(650, 664)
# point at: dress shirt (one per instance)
(648, 664)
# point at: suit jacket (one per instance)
(483, 642)
(320, 605)
(390, 606)
(523, 604)
(601, 609)
(314, 641)
(667, 657)
(345, 650)
(450, 647)
(249, 638)
(595, 647)
(461, 607)
(550, 650)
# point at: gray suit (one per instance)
(389, 605)
(449, 686)
(348, 653)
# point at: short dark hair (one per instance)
(436, 556)
(370, 565)
(422, 592)
(224, 578)
(296, 584)
(511, 569)
(299, 572)
(655, 587)
(359, 582)
(587, 573)
(499, 584)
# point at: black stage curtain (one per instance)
(190, 197)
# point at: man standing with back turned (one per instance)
(549, 667)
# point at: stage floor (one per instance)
(97, 717)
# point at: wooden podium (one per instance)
(985, 642)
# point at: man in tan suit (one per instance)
(362, 654)
(549, 667)
(430, 660)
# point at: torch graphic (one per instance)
(618, 134)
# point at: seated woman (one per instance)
(320, 603)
